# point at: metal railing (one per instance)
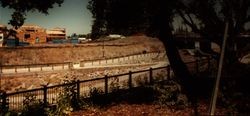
(50, 94)
(69, 65)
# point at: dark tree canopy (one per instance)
(127, 16)
(212, 16)
(154, 18)
(21, 7)
(205, 17)
(151, 17)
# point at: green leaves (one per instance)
(17, 19)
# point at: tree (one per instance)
(97, 9)
(21, 7)
(211, 14)
(152, 17)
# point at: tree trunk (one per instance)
(178, 66)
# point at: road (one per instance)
(128, 60)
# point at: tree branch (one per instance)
(189, 23)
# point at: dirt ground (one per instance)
(147, 110)
(19, 82)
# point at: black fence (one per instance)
(50, 94)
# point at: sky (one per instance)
(72, 15)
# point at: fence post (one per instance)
(150, 76)
(78, 89)
(45, 95)
(69, 64)
(41, 68)
(106, 84)
(63, 66)
(15, 69)
(1, 69)
(4, 105)
(29, 68)
(168, 71)
(52, 67)
(130, 80)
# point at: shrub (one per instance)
(97, 96)
(141, 80)
(114, 85)
(169, 94)
(33, 106)
(67, 100)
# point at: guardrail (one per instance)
(10, 69)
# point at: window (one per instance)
(26, 36)
(30, 30)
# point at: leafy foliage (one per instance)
(203, 16)
(33, 106)
(169, 94)
(114, 85)
(126, 17)
(21, 7)
(97, 97)
(67, 100)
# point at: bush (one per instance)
(97, 97)
(169, 94)
(33, 106)
(67, 100)
(114, 85)
(141, 80)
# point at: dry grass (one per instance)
(72, 53)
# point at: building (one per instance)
(31, 34)
(3, 30)
(56, 34)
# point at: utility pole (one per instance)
(217, 83)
